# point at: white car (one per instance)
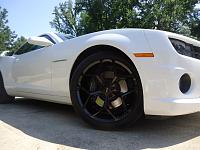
(112, 78)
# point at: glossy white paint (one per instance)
(4, 53)
(39, 40)
(44, 73)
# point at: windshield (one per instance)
(64, 37)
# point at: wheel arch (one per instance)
(1, 77)
(2, 81)
(99, 48)
(91, 50)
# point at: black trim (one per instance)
(194, 51)
(185, 83)
(59, 60)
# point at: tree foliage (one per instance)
(106, 14)
(168, 15)
(65, 18)
(18, 43)
(94, 15)
(8, 37)
(195, 23)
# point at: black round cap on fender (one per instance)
(184, 83)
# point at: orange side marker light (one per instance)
(143, 54)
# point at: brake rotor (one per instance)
(123, 88)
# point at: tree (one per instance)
(8, 39)
(90, 16)
(18, 43)
(7, 36)
(95, 15)
(99, 15)
(195, 23)
(169, 15)
(65, 18)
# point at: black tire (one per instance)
(96, 86)
(4, 97)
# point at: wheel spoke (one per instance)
(90, 96)
(124, 105)
(106, 107)
(106, 103)
(114, 79)
(114, 71)
(111, 114)
(123, 77)
(117, 78)
(127, 93)
(99, 79)
(97, 113)
(86, 102)
(84, 90)
(96, 93)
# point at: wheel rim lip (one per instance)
(80, 101)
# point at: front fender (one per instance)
(6, 63)
(119, 41)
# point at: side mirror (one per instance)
(4, 53)
(41, 41)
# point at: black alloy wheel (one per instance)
(106, 91)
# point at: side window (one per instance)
(27, 48)
(49, 38)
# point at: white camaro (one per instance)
(112, 77)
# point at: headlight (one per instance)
(182, 47)
(186, 49)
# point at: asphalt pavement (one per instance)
(36, 125)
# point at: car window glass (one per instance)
(64, 37)
(48, 38)
(27, 48)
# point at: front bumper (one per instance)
(174, 107)
(160, 81)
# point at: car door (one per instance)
(31, 69)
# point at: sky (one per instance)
(30, 17)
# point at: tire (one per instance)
(4, 97)
(106, 91)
